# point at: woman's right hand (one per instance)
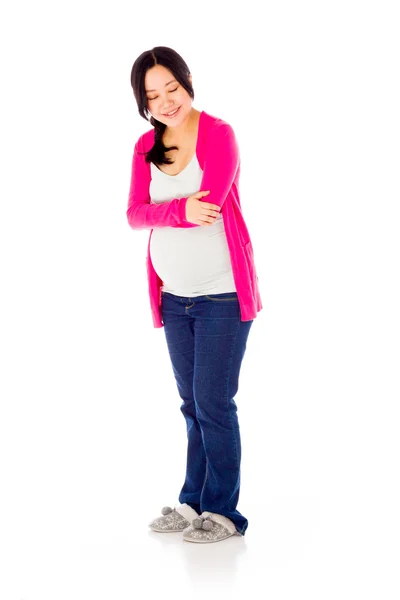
(199, 212)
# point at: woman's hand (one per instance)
(201, 213)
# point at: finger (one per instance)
(209, 213)
(207, 219)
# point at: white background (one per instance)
(92, 442)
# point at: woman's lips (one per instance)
(174, 115)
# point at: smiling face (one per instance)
(165, 94)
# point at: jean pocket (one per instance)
(225, 297)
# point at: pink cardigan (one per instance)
(218, 155)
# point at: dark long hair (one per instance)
(171, 60)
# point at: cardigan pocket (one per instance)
(248, 250)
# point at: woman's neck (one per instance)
(183, 133)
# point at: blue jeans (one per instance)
(206, 342)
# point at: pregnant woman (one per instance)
(202, 282)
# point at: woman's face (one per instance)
(165, 94)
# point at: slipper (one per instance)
(210, 527)
(174, 519)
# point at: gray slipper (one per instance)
(210, 527)
(174, 519)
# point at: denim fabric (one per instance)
(206, 342)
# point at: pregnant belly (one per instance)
(190, 257)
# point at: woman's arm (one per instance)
(221, 162)
(141, 213)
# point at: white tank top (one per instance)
(194, 261)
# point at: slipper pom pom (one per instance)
(197, 523)
(207, 525)
(166, 510)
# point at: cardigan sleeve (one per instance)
(221, 162)
(141, 213)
